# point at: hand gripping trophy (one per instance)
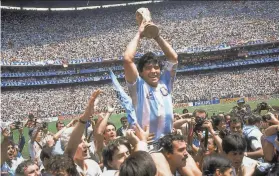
(143, 16)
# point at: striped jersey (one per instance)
(153, 106)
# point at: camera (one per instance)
(199, 123)
(262, 169)
(263, 106)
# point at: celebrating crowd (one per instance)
(152, 139)
(42, 36)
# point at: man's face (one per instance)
(6, 133)
(119, 157)
(39, 135)
(211, 146)
(60, 126)
(32, 170)
(236, 158)
(222, 125)
(11, 152)
(151, 74)
(228, 118)
(179, 155)
(124, 122)
(82, 151)
(110, 132)
(201, 114)
(236, 127)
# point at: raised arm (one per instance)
(167, 49)
(130, 69)
(77, 133)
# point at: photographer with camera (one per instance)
(241, 109)
(263, 106)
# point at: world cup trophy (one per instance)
(150, 29)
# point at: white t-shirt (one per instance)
(93, 169)
(35, 150)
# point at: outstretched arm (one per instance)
(76, 135)
(167, 49)
(130, 69)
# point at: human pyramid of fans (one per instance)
(62, 36)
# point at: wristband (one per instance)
(81, 121)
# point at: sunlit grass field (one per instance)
(115, 118)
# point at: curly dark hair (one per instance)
(62, 163)
(166, 142)
(234, 142)
(148, 58)
(111, 147)
(215, 161)
(22, 166)
(139, 163)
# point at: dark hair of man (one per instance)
(112, 147)
(148, 58)
(46, 154)
(139, 163)
(110, 123)
(123, 118)
(62, 163)
(199, 111)
(217, 120)
(234, 142)
(236, 119)
(184, 111)
(213, 162)
(166, 142)
(59, 122)
(10, 142)
(253, 119)
(22, 166)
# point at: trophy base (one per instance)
(150, 31)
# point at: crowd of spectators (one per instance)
(188, 87)
(42, 36)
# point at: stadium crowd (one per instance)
(152, 140)
(104, 32)
(188, 87)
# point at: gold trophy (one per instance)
(150, 29)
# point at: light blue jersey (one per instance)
(153, 106)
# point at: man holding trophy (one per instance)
(150, 86)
